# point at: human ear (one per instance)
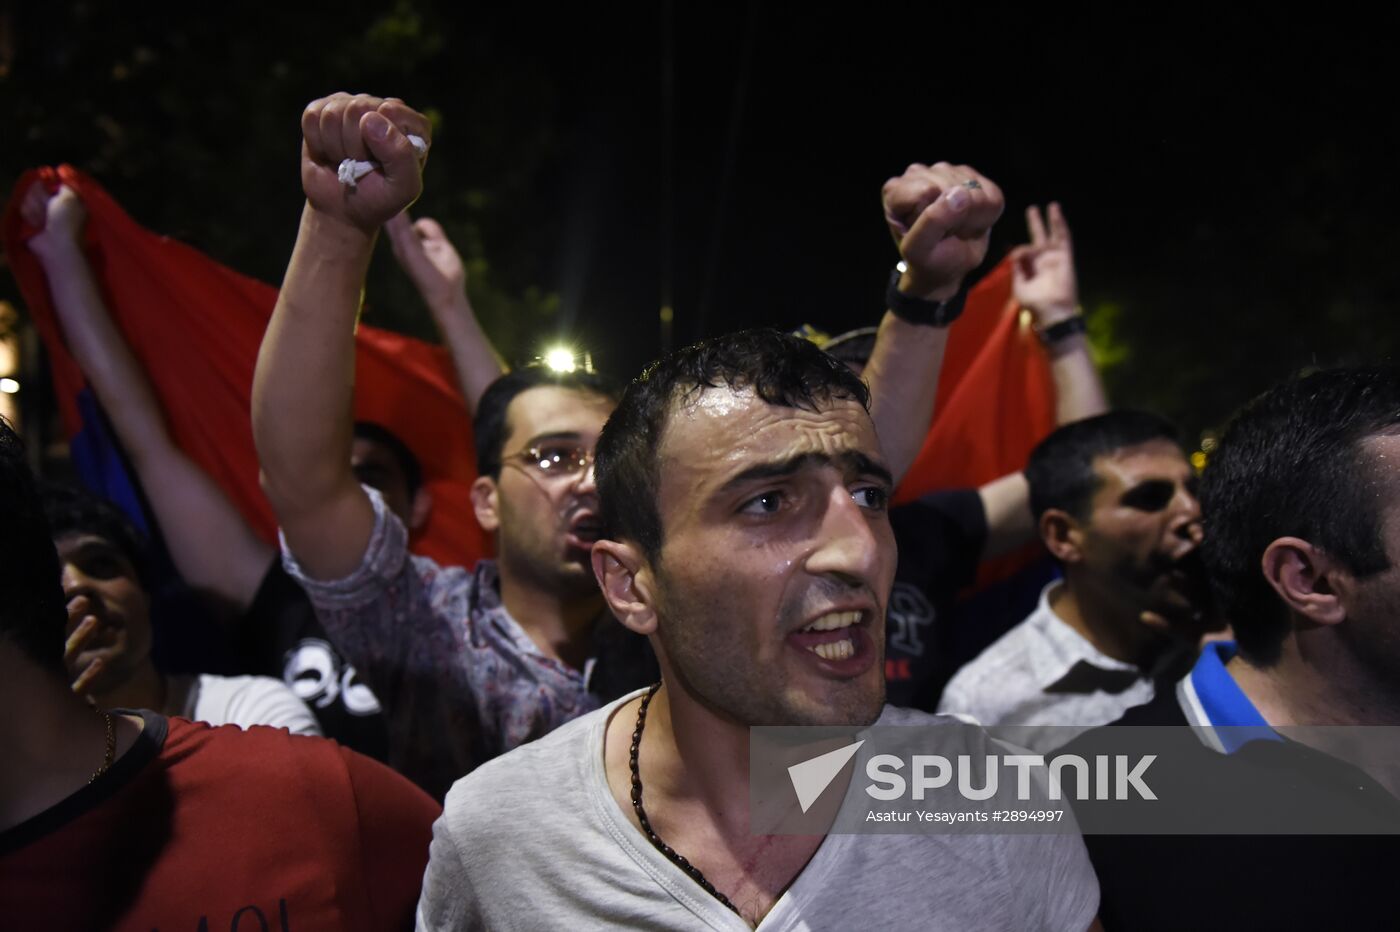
(1061, 535)
(1306, 578)
(625, 578)
(485, 505)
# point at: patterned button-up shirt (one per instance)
(459, 680)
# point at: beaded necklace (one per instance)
(679, 860)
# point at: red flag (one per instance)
(995, 401)
(195, 325)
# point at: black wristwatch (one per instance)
(918, 311)
(1063, 330)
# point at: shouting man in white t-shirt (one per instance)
(744, 494)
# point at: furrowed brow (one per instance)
(851, 462)
(779, 469)
(864, 465)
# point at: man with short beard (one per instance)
(745, 501)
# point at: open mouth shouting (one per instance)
(583, 530)
(839, 642)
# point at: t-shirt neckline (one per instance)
(670, 877)
(124, 769)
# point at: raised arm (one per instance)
(431, 261)
(213, 547)
(304, 383)
(941, 218)
(1043, 280)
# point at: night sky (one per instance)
(1227, 177)
(1230, 176)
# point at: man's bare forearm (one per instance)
(1079, 391)
(303, 388)
(102, 353)
(903, 376)
(474, 358)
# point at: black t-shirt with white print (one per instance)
(281, 636)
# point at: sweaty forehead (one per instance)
(1380, 473)
(1380, 468)
(720, 432)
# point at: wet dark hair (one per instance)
(1292, 464)
(490, 428)
(780, 368)
(74, 510)
(1060, 469)
(408, 463)
(33, 612)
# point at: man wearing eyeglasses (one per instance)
(467, 662)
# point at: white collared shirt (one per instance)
(1044, 672)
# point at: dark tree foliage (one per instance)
(189, 117)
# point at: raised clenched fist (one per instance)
(941, 218)
(58, 216)
(364, 128)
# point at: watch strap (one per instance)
(1063, 330)
(917, 310)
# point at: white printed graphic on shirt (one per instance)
(909, 612)
(318, 676)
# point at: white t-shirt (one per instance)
(244, 701)
(535, 840)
